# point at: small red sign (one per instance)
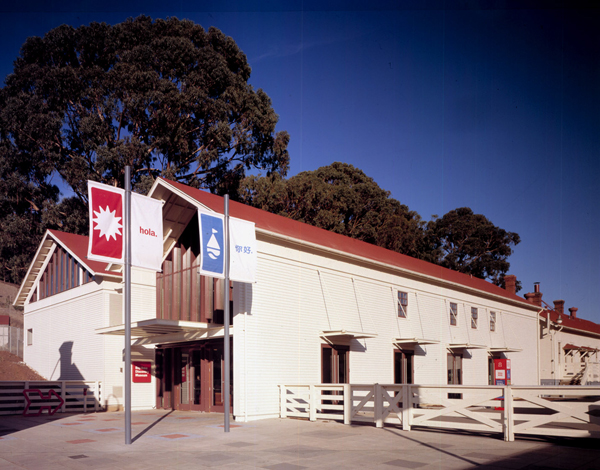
(141, 372)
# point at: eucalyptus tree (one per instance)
(166, 97)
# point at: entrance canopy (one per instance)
(158, 327)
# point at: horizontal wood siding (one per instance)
(301, 293)
(65, 345)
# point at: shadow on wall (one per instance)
(68, 370)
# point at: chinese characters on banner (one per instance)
(242, 250)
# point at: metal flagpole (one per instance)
(226, 314)
(127, 300)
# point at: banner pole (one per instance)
(226, 352)
(127, 302)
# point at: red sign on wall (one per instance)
(141, 373)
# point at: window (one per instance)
(453, 314)
(334, 364)
(402, 304)
(29, 336)
(474, 318)
(454, 373)
(403, 367)
(454, 369)
(492, 321)
(335, 368)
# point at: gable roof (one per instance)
(571, 323)
(288, 228)
(76, 245)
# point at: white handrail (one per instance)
(509, 410)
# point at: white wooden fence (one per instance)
(78, 396)
(569, 411)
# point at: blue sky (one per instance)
(445, 107)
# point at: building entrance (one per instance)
(190, 377)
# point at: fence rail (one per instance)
(77, 395)
(508, 410)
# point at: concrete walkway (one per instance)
(172, 440)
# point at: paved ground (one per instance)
(171, 440)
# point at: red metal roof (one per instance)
(308, 233)
(78, 245)
(573, 323)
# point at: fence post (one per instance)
(348, 403)
(378, 405)
(312, 400)
(96, 395)
(406, 407)
(282, 402)
(63, 394)
(509, 434)
(24, 399)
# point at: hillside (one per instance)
(12, 368)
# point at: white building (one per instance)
(568, 348)
(325, 308)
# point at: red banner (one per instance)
(106, 223)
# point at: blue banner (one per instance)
(212, 243)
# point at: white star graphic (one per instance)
(108, 224)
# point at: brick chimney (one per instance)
(573, 312)
(510, 283)
(559, 306)
(535, 297)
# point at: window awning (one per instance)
(158, 326)
(579, 348)
(339, 334)
(466, 346)
(410, 341)
(500, 350)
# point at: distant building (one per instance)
(569, 348)
(326, 308)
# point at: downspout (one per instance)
(539, 324)
(245, 368)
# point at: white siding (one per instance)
(143, 294)
(299, 294)
(65, 346)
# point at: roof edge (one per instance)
(407, 272)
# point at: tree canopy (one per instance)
(470, 243)
(165, 97)
(342, 199)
